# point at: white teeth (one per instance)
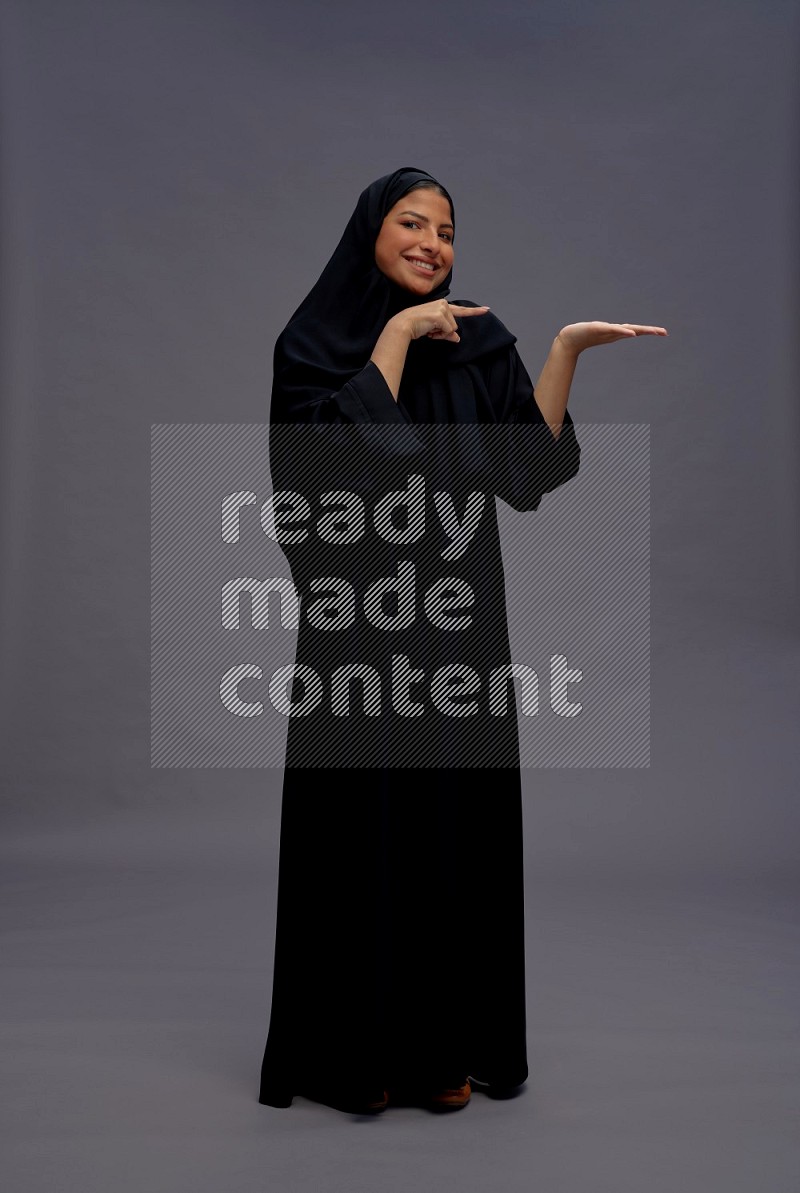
(424, 264)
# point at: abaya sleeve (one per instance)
(365, 398)
(528, 460)
(320, 437)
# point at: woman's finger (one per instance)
(467, 310)
(645, 329)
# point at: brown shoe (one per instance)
(380, 1104)
(450, 1099)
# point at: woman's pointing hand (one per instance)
(437, 319)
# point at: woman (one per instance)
(399, 954)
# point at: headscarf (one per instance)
(331, 335)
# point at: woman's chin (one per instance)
(420, 288)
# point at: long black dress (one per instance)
(399, 953)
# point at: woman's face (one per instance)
(415, 244)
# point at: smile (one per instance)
(420, 264)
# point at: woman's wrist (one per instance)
(400, 325)
(564, 346)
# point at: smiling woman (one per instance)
(399, 950)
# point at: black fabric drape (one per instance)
(399, 955)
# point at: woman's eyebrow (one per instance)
(424, 218)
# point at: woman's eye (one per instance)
(413, 224)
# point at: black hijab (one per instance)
(331, 335)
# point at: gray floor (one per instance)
(662, 982)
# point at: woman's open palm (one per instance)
(578, 336)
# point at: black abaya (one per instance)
(399, 953)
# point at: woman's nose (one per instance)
(429, 241)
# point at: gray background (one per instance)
(174, 176)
